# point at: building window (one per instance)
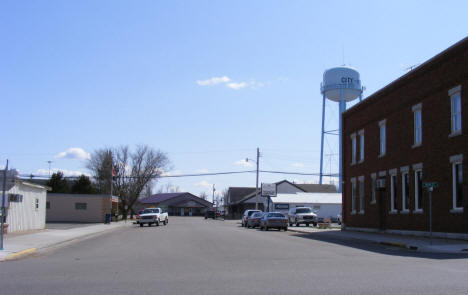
(353, 195)
(393, 190)
(16, 198)
(47, 205)
(418, 191)
(405, 199)
(353, 148)
(81, 206)
(373, 188)
(457, 182)
(383, 135)
(361, 146)
(361, 194)
(417, 125)
(36, 204)
(456, 116)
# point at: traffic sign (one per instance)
(430, 184)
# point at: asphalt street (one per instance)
(196, 256)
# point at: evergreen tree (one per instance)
(83, 186)
(58, 183)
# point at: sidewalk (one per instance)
(19, 245)
(420, 244)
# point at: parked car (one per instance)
(254, 220)
(246, 215)
(210, 214)
(137, 217)
(274, 220)
(302, 215)
(152, 216)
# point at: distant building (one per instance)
(177, 204)
(324, 204)
(240, 199)
(80, 207)
(25, 204)
(413, 131)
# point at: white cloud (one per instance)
(171, 173)
(213, 81)
(236, 86)
(204, 184)
(243, 163)
(74, 153)
(202, 170)
(45, 172)
(297, 165)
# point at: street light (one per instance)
(256, 184)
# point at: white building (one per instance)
(25, 204)
(326, 205)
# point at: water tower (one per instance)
(341, 85)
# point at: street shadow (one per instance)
(365, 245)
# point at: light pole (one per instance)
(256, 183)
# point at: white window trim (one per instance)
(416, 108)
(373, 189)
(362, 146)
(417, 168)
(353, 195)
(353, 148)
(391, 173)
(382, 123)
(452, 92)
(455, 160)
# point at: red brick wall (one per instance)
(429, 84)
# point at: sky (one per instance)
(207, 82)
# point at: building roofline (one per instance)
(406, 78)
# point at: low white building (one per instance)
(325, 205)
(25, 204)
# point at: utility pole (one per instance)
(256, 183)
(3, 205)
(50, 162)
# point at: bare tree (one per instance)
(132, 171)
(203, 195)
(168, 188)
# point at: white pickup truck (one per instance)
(153, 215)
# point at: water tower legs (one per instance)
(323, 133)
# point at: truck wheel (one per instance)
(314, 224)
(150, 224)
(164, 222)
(157, 222)
(286, 228)
(307, 224)
(266, 228)
(141, 224)
(297, 224)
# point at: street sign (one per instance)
(430, 184)
(269, 189)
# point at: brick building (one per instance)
(412, 131)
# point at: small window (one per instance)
(373, 188)
(393, 190)
(361, 194)
(417, 125)
(383, 139)
(48, 205)
(36, 203)
(457, 182)
(456, 116)
(16, 198)
(405, 200)
(361, 146)
(353, 148)
(353, 195)
(81, 206)
(418, 190)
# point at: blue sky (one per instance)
(91, 74)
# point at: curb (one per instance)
(394, 244)
(19, 254)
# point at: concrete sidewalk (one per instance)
(19, 245)
(421, 244)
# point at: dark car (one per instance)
(210, 214)
(254, 220)
(274, 220)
